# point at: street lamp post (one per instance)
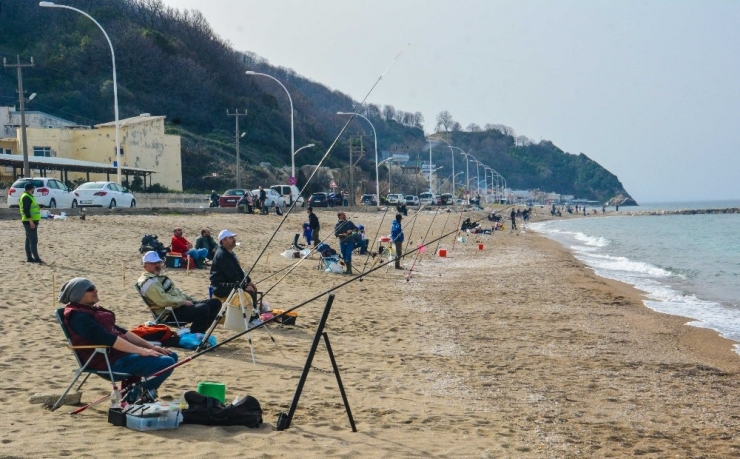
(452, 152)
(375, 139)
(292, 136)
(388, 165)
(115, 82)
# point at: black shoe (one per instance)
(38, 260)
(30, 260)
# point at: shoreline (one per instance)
(518, 350)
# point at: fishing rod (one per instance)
(443, 230)
(323, 158)
(376, 237)
(295, 265)
(422, 244)
(312, 251)
(249, 329)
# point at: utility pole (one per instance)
(22, 99)
(236, 116)
(353, 163)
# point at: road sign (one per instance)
(332, 184)
(292, 181)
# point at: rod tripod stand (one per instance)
(235, 323)
(284, 420)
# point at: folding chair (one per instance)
(108, 374)
(167, 316)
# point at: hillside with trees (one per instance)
(171, 62)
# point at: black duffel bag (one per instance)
(210, 411)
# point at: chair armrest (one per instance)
(89, 346)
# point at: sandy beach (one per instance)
(517, 350)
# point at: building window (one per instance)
(42, 151)
(8, 151)
(114, 150)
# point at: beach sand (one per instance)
(517, 350)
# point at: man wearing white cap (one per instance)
(226, 272)
(159, 292)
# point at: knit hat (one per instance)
(74, 290)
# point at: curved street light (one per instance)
(292, 136)
(375, 139)
(452, 152)
(115, 82)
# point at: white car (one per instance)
(49, 193)
(412, 200)
(104, 194)
(272, 197)
(395, 199)
(288, 191)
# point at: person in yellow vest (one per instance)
(30, 216)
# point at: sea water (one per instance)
(688, 265)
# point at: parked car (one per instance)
(447, 199)
(272, 197)
(49, 192)
(369, 200)
(104, 194)
(289, 193)
(335, 199)
(428, 198)
(231, 197)
(412, 200)
(395, 198)
(318, 200)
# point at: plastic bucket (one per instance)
(442, 253)
(216, 390)
(480, 246)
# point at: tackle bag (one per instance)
(209, 411)
(157, 332)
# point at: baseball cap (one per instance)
(224, 234)
(151, 257)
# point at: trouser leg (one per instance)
(145, 366)
(399, 248)
(316, 238)
(32, 241)
(200, 315)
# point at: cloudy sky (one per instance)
(648, 89)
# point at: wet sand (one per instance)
(517, 350)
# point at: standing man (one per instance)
(263, 201)
(397, 238)
(159, 292)
(313, 222)
(513, 219)
(345, 231)
(30, 216)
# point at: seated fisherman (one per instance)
(159, 292)
(89, 324)
(206, 241)
(362, 241)
(182, 245)
(226, 272)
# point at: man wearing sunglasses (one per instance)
(90, 324)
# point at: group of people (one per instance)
(352, 236)
(90, 323)
(247, 203)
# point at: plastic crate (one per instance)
(160, 421)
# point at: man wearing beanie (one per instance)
(159, 292)
(89, 323)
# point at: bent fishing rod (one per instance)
(420, 245)
(323, 158)
(250, 329)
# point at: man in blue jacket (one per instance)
(397, 238)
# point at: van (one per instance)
(395, 198)
(289, 193)
(428, 198)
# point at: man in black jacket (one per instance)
(226, 272)
(313, 222)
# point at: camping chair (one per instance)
(108, 374)
(167, 317)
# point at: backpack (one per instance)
(157, 332)
(209, 411)
(150, 242)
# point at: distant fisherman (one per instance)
(30, 217)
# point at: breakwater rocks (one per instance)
(729, 210)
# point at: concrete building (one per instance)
(143, 144)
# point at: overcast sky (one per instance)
(648, 89)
